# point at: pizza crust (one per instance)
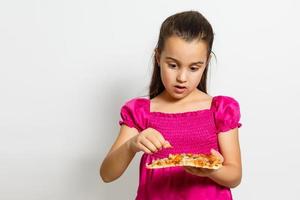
(209, 161)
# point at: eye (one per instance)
(194, 68)
(172, 65)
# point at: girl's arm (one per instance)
(119, 156)
(128, 143)
(230, 174)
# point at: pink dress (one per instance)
(188, 132)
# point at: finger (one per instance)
(160, 138)
(155, 141)
(213, 151)
(216, 153)
(167, 144)
(187, 168)
(163, 141)
(149, 145)
(199, 171)
(144, 149)
(190, 170)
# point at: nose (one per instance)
(181, 76)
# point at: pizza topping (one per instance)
(187, 159)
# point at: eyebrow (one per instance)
(177, 61)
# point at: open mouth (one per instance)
(180, 87)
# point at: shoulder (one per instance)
(136, 102)
(226, 112)
(134, 113)
(223, 101)
(224, 98)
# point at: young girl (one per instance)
(179, 117)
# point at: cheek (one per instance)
(167, 76)
(195, 78)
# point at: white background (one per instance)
(67, 67)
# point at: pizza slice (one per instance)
(208, 161)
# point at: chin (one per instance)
(173, 94)
(178, 96)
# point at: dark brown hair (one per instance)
(188, 25)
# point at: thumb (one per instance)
(217, 154)
(167, 144)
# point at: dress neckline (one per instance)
(186, 113)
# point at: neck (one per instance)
(168, 98)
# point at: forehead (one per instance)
(177, 47)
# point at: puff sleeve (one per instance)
(134, 114)
(226, 113)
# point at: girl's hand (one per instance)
(148, 141)
(202, 171)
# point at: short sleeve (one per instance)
(226, 113)
(134, 113)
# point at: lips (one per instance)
(181, 87)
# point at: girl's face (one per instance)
(182, 64)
